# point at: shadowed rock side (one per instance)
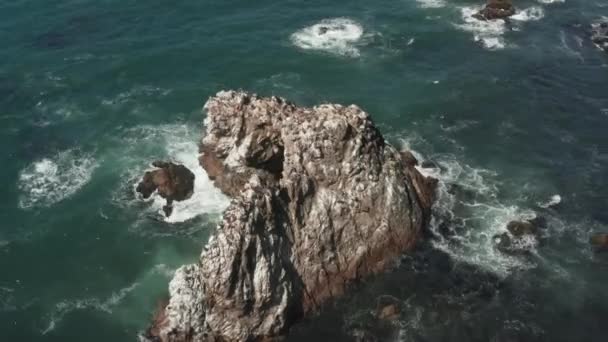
(172, 181)
(320, 200)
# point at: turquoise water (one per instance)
(515, 115)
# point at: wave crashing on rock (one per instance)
(338, 36)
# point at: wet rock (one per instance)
(320, 201)
(599, 242)
(599, 35)
(496, 9)
(519, 235)
(388, 308)
(409, 159)
(503, 242)
(520, 228)
(172, 181)
(159, 317)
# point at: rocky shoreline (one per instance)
(320, 201)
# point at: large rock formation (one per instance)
(599, 35)
(320, 200)
(496, 9)
(172, 181)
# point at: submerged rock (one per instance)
(520, 236)
(496, 9)
(388, 308)
(172, 181)
(320, 200)
(599, 35)
(599, 242)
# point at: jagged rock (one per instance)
(496, 9)
(599, 241)
(599, 35)
(320, 201)
(173, 183)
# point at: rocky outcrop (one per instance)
(520, 236)
(320, 200)
(599, 35)
(496, 9)
(173, 183)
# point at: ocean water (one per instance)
(514, 115)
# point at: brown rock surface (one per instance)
(320, 200)
(496, 9)
(172, 181)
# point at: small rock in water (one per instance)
(388, 308)
(172, 181)
(520, 228)
(323, 30)
(512, 242)
(599, 242)
(496, 9)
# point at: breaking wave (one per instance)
(468, 214)
(553, 201)
(487, 32)
(50, 180)
(178, 143)
(490, 33)
(338, 36)
(529, 14)
(431, 3)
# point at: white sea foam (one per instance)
(490, 32)
(468, 214)
(164, 270)
(431, 3)
(50, 180)
(553, 201)
(136, 92)
(550, 1)
(179, 144)
(205, 199)
(65, 307)
(529, 14)
(487, 32)
(475, 216)
(338, 36)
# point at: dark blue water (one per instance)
(514, 114)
